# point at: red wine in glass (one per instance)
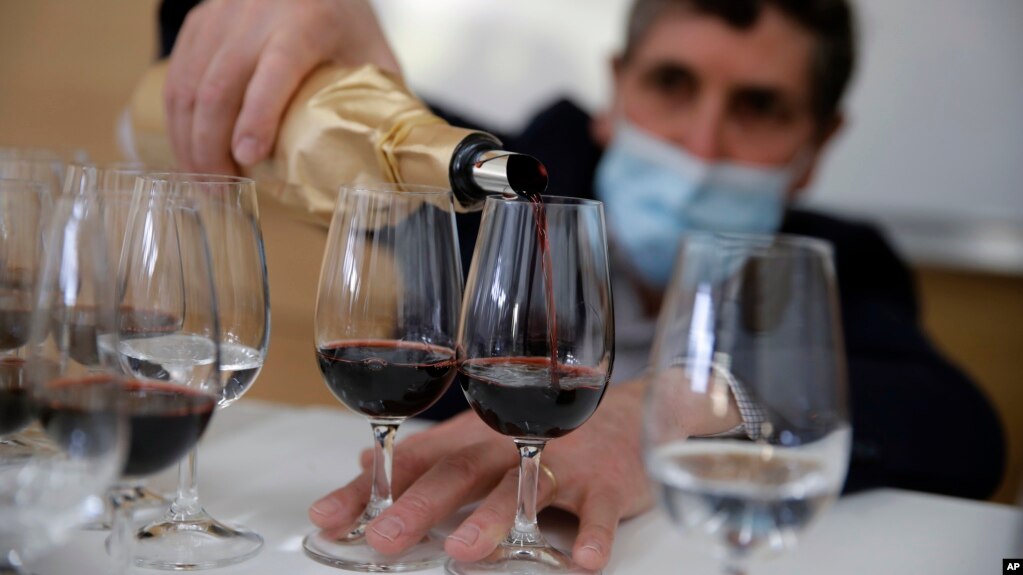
(515, 396)
(16, 297)
(166, 420)
(15, 406)
(536, 348)
(387, 378)
(14, 321)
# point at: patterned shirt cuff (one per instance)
(752, 413)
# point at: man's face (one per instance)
(722, 93)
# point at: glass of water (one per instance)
(188, 537)
(747, 431)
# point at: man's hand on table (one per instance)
(598, 467)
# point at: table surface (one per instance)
(262, 464)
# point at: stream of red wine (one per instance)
(540, 215)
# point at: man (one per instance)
(721, 110)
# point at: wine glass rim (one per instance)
(21, 184)
(196, 178)
(394, 188)
(772, 245)
(549, 200)
(107, 196)
(77, 178)
(112, 168)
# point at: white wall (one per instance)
(935, 115)
(499, 61)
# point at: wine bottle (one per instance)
(352, 125)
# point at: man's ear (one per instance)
(826, 135)
(617, 62)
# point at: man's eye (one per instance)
(672, 81)
(759, 106)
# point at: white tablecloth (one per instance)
(263, 464)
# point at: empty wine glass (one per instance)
(21, 208)
(747, 434)
(39, 165)
(229, 211)
(102, 179)
(536, 347)
(169, 343)
(386, 315)
(80, 439)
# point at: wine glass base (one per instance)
(139, 499)
(520, 560)
(204, 543)
(16, 447)
(357, 555)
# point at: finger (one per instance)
(340, 508)
(488, 524)
(454, 481)
(282, 66)
(598, 521)
(433, 443)
(178, 89)
(201, 34)
(431, 450)
(491, 521)
(217, 102)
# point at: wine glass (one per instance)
(21, 208)
(386, 315)
(747, 433)
(113, 186)
(228, 209)
(102, 179)
(80, 436)
(536, 347)
(43, 166)
(168, 344)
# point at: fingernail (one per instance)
(389, 528)
(596, 548)
(467, 535)
(325, 507)
(247, 151)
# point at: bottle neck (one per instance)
(479, 168)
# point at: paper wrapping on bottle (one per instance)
(344, 126)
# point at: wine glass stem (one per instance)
(186, 503)
(122, 536)
(383, 466)
(526, 532)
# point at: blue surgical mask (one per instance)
(654, 192)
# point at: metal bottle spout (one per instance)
(509, 174)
